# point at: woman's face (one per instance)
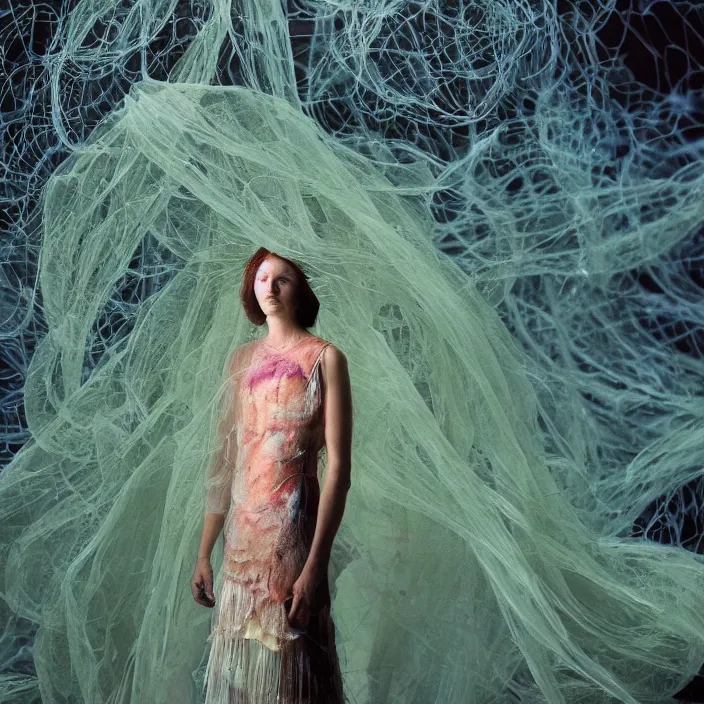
(275, 288)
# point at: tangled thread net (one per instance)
(568, 192)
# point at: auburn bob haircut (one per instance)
(308, 303)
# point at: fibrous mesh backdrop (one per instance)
(502, 226)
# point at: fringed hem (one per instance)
(242, 669)
(239, 616)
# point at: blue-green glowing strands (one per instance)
(483, 554)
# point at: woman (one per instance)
(273, 637)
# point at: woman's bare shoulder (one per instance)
(333, 360)
(241, 355)
(331, 348)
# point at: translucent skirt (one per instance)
(254, 659)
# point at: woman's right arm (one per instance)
(218, 481)
(212, 525)
(218, 487)
(202, 580)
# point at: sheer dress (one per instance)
(265, 480)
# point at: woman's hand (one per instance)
(202, 583)
(303, 592)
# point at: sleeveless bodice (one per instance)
(280, 428)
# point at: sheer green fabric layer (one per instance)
(460, 573)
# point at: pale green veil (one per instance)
(461, 572)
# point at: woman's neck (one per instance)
(283, 336)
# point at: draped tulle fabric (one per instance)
(461, 572)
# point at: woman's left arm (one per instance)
(338, 439)
(338, 442)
